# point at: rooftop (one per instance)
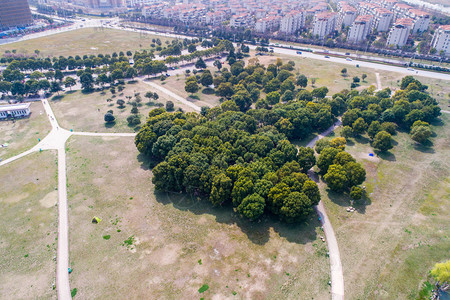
(14, 106)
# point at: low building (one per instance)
(15, 110)
(441, 39)
(398, 36)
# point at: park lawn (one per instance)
(329, 74)
(389, 245)
(23, 134)
(85, 41)
(177, 82)
(85, 112)
(438, 89)
(28, 227)
(179, 243)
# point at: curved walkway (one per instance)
(337, 276)
(56, 140)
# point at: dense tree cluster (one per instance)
(379, 114)
(230, 157)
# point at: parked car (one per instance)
(348, 53)
(348, 59)
(326, 56)
(299, 52)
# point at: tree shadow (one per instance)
(258, 232)
(344, 200)
(146, 162)
(426, 147)
(386, 155)
(361, 139)
(110, 124)
(208, 91)
(57, 98)
(70, 92)
(350, 142)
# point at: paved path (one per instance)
(173, 95)
(337, 276)
(56, 140)
(445, 111)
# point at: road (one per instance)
(378, 66)
(337, 276)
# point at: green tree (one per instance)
(441, 272)
(241, 189)
(306, 158)
(55, 87)
(252, 207)
(374, 128)
(109, 118)
(355, 173)
(273, 98)
(382, 141)
(359, 126)
(346, 132)
(311, 190)
(170, 106)
(296, 206)
(302, 81)
(356, 193)
(69, 82)
(191, 87)
(344, 72)
(326, 158)
(420, 133)
(206, 79)
(320, 92)
(336, 178)
(200, 64)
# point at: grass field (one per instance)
(176, 84)
(178, 244)
(391, 243)
(329, 74)
(85, 112)
(28, 227)
(85, 41)
(23, 134)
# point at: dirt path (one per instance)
(337, 277)
(377, 75)
(173, 95)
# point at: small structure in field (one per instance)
(15, 110)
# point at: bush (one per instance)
(134, 110)
(170, 106)
(133, 120)
(109, 118)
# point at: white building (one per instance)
(360, 29)
(267, 24)
(292, 22)
(324, 24)
(347, 15)
(383, 19)
(441, 39)
(15, 110)
(400, 32)
(421, 20)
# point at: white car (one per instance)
(349, 59)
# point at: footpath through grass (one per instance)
(392, 241)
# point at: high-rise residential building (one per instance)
(324, 24)
(292, 22)
(14, 13)
(99, 3)
(441, 39)
(383, 19)
(347, 15)
(398, 36)
(360, 29)
(421, 20)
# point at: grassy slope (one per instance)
(28, 227)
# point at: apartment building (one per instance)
(14, 13)
(324, 24)
(398, 36)
(360, 29)
(267, 24)
(242, 20)
(401, 10)
(421, 20)
(292, 22)
(383, 19)
(441, 39)
(347, 15)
